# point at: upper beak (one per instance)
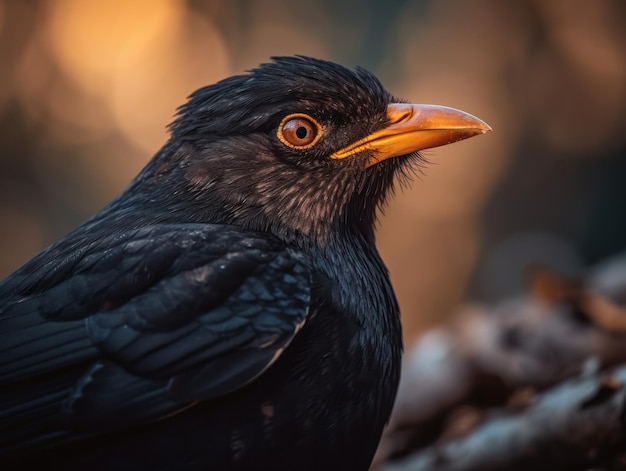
(415, 127)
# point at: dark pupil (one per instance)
(301, 132)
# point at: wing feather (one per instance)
(134, 326)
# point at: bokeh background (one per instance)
(87, 88)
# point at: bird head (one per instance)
(300, 147)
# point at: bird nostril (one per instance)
(399, 113)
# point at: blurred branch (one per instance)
(573, 426)
(503, 356)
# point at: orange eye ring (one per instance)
(299, 131)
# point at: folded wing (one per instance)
(134, 326)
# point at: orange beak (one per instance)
(415, 127)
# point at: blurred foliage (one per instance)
(87, 88)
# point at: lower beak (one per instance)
(415, 127)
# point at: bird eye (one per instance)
(299, 131)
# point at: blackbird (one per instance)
(229, 310)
